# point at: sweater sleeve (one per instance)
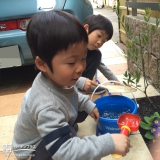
(81, 82)
(106, 72)
(58, 140)
(85, 104)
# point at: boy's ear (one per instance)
(40, 64)
(86, 26)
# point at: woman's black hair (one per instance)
(53, 31)
(99, 22)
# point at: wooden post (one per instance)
(134, 10)
(127, 9)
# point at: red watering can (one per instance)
(128, 123)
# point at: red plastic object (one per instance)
(128, 122)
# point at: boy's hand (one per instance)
(116, 83)
(122, 144)
(88, 85)
(95, 114)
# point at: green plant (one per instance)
(136, 47)
(152, 125)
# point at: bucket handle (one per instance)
(99, 85)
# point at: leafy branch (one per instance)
(136, 47)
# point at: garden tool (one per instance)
(128, 123)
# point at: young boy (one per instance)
(50, 107)
(99, 30)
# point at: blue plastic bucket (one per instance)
(112, 103)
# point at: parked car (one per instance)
(14, 18)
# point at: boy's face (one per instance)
(96, 39)
(67, 66)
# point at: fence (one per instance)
(134, 7)
(134, 4)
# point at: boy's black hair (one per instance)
(99, 22)
(53, 31)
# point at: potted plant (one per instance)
(151, 127)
